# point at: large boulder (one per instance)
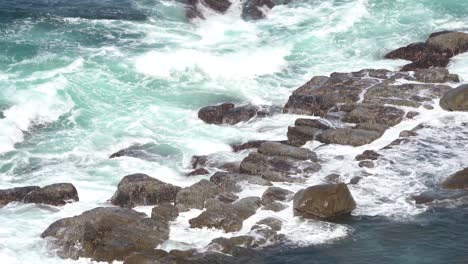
(54, 194)
(348, 136)
(455, 99)
(194, 197)
(279, 149)
(458, 180)
(106, 234)
(141, 189)
(455, 42)
(239, 114)
(228, 217)
(214, 114)
(146, 257)
(326, 201)
(368, 113)
(256, 9)
(227, 113)
(15, 194)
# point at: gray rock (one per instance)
(275, 207)
(165, 212)
(146, 257)
(106, 234)
(199, 171)
(15, 194)
(316, 123)
(239, 114)
(435, 75)
(368, 155)
(455, 99)
(299, 135)
(326, 201)
(455, 42)
(333, 178)
(54, 194)
(214, 114)
(274, 223)
(366, 164)
(247, 145)
(278, 149)
(348, 136)
(355, 180)
(458, 180)
(270, 168)
(230, 182)
(273, 194)
(256, 9)
(194, 197)
(141, 189)
(412, 114)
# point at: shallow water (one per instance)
(80, 80)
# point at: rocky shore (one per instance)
(352, 109)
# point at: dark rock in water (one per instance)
(279, 149)
(106, 234)
(165, 212)
(423, 199)
(228, 217)
(194, 197)
(374, 114)
(355, 180)
(15, 194)
(217, 5)
(273, 194)
(348, 136)
(366, 164)
(458, 180)
(436, 60)
(368, 155)
(199, 161)
(230, 167)
(54, 194)
(316, 123)
(435, 75)
(256, 9)
(408, 133)
(417, 52)
(141, 189)
(455, 42)
(299, 135)
(247, 145)
(270, 168)
(333, 178)
(149, 152)
(412, 114)
(230, 182)
(214, 114)
(227, 245)
(146, 257)
(326, 201)
(239, 114)
(275, 207)
(455, 99)
(272, 222)
(200, 171)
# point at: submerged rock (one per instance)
(194, 197)
(199, 171)
(106, 234)
(368, 155)
(326, 201)
(458, 180)
(54, 194)
(15, 194)
(455, 99)
(256, 9)
(141, 189)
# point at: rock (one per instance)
(141, 189)
(15, 194)
(230, 167)
(270, 168)
(316, 123)
(408, 133)
(454, 42)
(149, 152)
(412, 114)
(106, 234)
(373, 114)
(273, 194)
(146, 257)
(272, 222)
(214, 114)
(228, 217)
(299, 135)
(333, 178)
(256, 9)
(436, 60)
(199, 161)
(368, 155)
(230, 182)
(278, 149)
(165, 212)
(199, 171)
(366, 164)
(435, 75)
(226, 245)
(355, 180)
(348, 136)
(217, 5)
(326, 201)
(239, 114)
(423, 199)
(455, 99)
(247, 145)
(275, 207)
(458, 180)
(54, 194)
(194, 197)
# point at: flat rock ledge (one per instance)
(54, 194)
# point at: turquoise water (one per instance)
(80, 80)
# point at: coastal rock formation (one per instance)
(283, 150)
(435, 52)
(228, 217)
(194, 197)
(231, 182)
(458, 180)
(227, 113)
(368, 155)
(455, 99)
(54, 194)
(141, 189)
(273, 194)
(199, 171)
(165, 212)
(326, 201)
(106, 234)
(256, 9)
(348, 136)
(247, 145)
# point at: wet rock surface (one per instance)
(15, 194)
(165, 212)
(54, 194)
(227, 113)
(141, 189)
(456, 99)
(194, 197)
(256, 9)
(106, 234)
(458, 180)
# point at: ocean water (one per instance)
(80, 80)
